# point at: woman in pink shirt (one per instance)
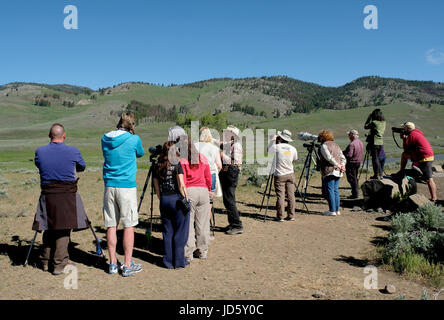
(197, 178)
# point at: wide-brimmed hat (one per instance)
(410, 126)
(233, 130)
(285, 135)
(353, 132)
(174, 133)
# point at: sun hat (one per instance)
(174, 133)
(285, 135)
(233, 130)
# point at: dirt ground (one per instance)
(271, 260)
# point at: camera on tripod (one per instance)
(398, 130)
(155, 152)
(305, 136)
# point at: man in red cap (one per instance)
(420, 152)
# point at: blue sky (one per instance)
(183, 41)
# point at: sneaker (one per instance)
(279, 220)
(127, 271)
(136, 267)
(289, 218)
(329, 213)
(338, 213)
(113, 268)
(234, 231)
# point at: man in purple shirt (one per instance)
(60, 208)
(57, 161)
(353, 153)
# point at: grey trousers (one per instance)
(199, 235)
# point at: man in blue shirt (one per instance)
(120, 149)
(60, 208)
(57, 161)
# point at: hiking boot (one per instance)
(234, 231)
(45, 266)
(58, 272)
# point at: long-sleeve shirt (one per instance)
(196, 175)
(120, 150)
(377, 129)
(329, 158)
(418, 147)
(354, 151)
(58, 162)
(232, 153)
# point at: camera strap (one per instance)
(394, 138)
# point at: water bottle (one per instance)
(98, 247)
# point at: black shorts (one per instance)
(426, 168)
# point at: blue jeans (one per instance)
(175, 233)
(213, 181)
(331, 191)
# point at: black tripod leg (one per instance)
(145, 187)
(265, 192)
(212, 216)
(268, 197)
(363, 165)
(30, 248)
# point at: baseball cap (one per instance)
(353, 132)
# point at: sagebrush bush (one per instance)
(3, 181)
(3, 194)
(252, 177)
(415, 246)
(403, 223)
(430, 216)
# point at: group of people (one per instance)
(186, 178)
(333, 162)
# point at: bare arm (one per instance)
(218, 163)
(156, 187)
(181, 184)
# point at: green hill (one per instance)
(28, 109)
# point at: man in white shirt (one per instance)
(284, 181)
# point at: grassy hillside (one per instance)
(87, 114)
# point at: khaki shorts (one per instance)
(120, 204)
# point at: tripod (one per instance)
(99, 251)
(148, 178)
(212, 222)
(307, 172)
(267, 189)
(365, 164)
